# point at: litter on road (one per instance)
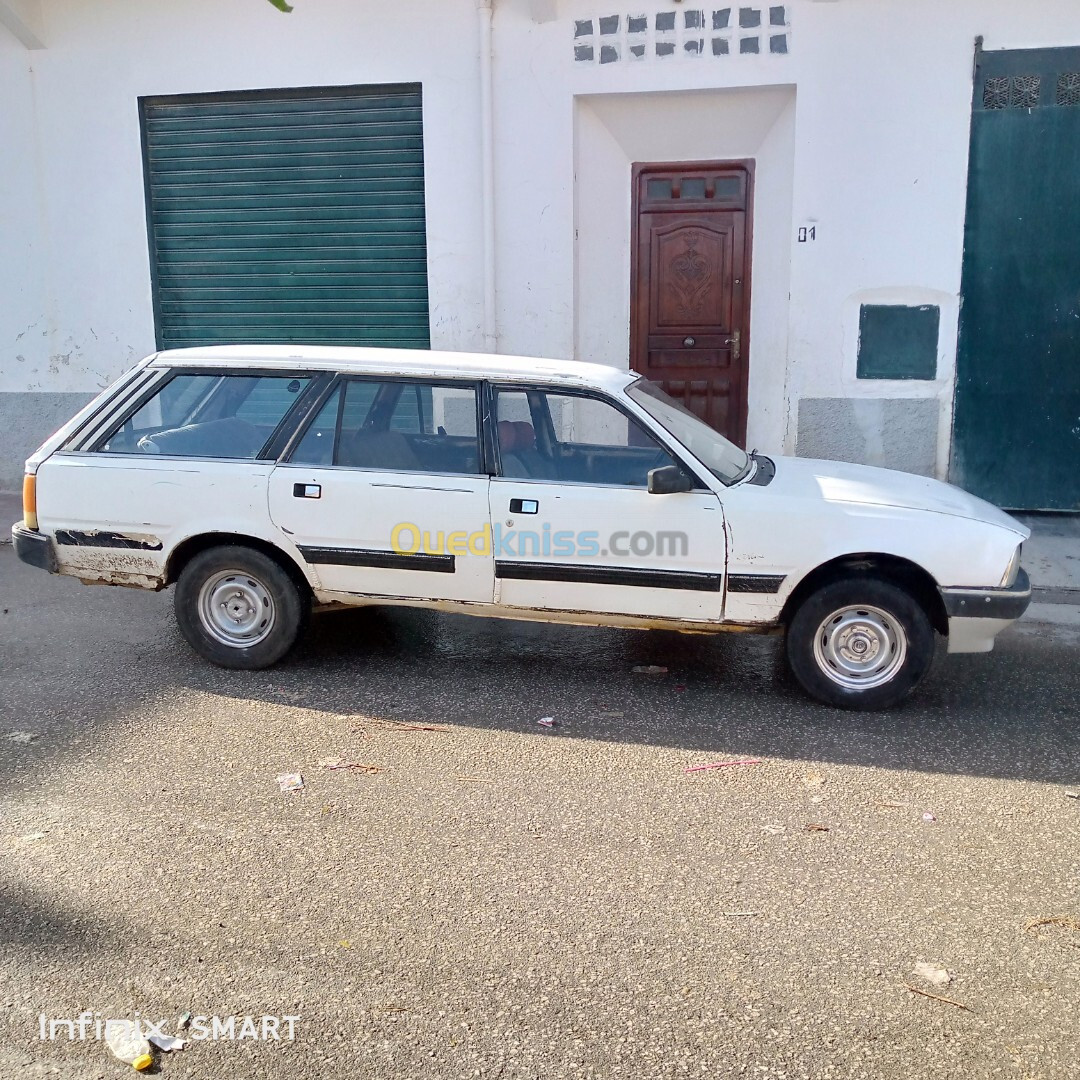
(127, 1044)
(934, 974)
(814, 826)
(938, 997)
(720, 765)
(359, 766)
(1066, 922)
(290, 781)
(21, 736)
(546, 721)
(395, 725)
(929, 818)
(1072, 794)
(741, 914)
(649, 669)
(168, 1043)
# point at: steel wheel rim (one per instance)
(859, 647)
(236, 609)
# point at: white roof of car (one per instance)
(398, 362)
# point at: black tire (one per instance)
(860, 630)
(262, 609)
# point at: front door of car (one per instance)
(574, 527)
(383, 492)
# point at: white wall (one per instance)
(878, 139)
(870, 146)
(24, 309)
(74, 108)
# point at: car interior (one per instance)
(402, 425)
(534, 451)
(218, 416)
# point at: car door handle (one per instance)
(524, 506)
(307, 491)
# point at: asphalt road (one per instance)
(502, 900)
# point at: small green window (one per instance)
(897, 342)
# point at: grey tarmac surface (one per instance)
(503, 900)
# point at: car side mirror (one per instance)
(668, 480)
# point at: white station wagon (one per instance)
(264, 481)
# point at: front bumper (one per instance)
(34, 548)
(977, 616)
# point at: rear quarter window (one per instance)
(208, 416)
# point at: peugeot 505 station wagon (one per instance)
(265, 481)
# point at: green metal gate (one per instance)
(288, 216)
(1016, 437)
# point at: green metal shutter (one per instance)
(288, 216)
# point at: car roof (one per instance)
(393, 362)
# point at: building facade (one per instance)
(835, 228)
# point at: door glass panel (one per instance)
(658, 189)
(728, 187)
(208, 416)
(574, 439)
(397, 426)
(693, 188)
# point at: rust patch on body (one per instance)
(101, 538)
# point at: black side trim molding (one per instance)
(100, 539)
(389, 560)
(755, 583)
(1009, 603)
(609, 575)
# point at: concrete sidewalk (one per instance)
(1051, 558)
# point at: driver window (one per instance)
(573, 438)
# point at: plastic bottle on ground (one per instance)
(128, 1044)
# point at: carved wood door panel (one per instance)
(690, 287)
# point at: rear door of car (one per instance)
(574, 527)
(385, 494)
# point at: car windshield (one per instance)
(723, 459)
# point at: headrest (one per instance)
(507, 436)
(526, 436)
(515, 436)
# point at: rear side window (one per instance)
(395, 426)
(208, 416)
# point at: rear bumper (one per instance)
(977, 616)
(34, 548)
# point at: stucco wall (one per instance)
(75, 114)
(869, 146)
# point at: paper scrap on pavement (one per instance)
(165, 1042)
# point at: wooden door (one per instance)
(690, 286)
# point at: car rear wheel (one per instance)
(860, 643)
(238, 608)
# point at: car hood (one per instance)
(862, 485)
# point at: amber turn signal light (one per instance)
(29, 501)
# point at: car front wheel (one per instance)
(238, 608)
(860, 643)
